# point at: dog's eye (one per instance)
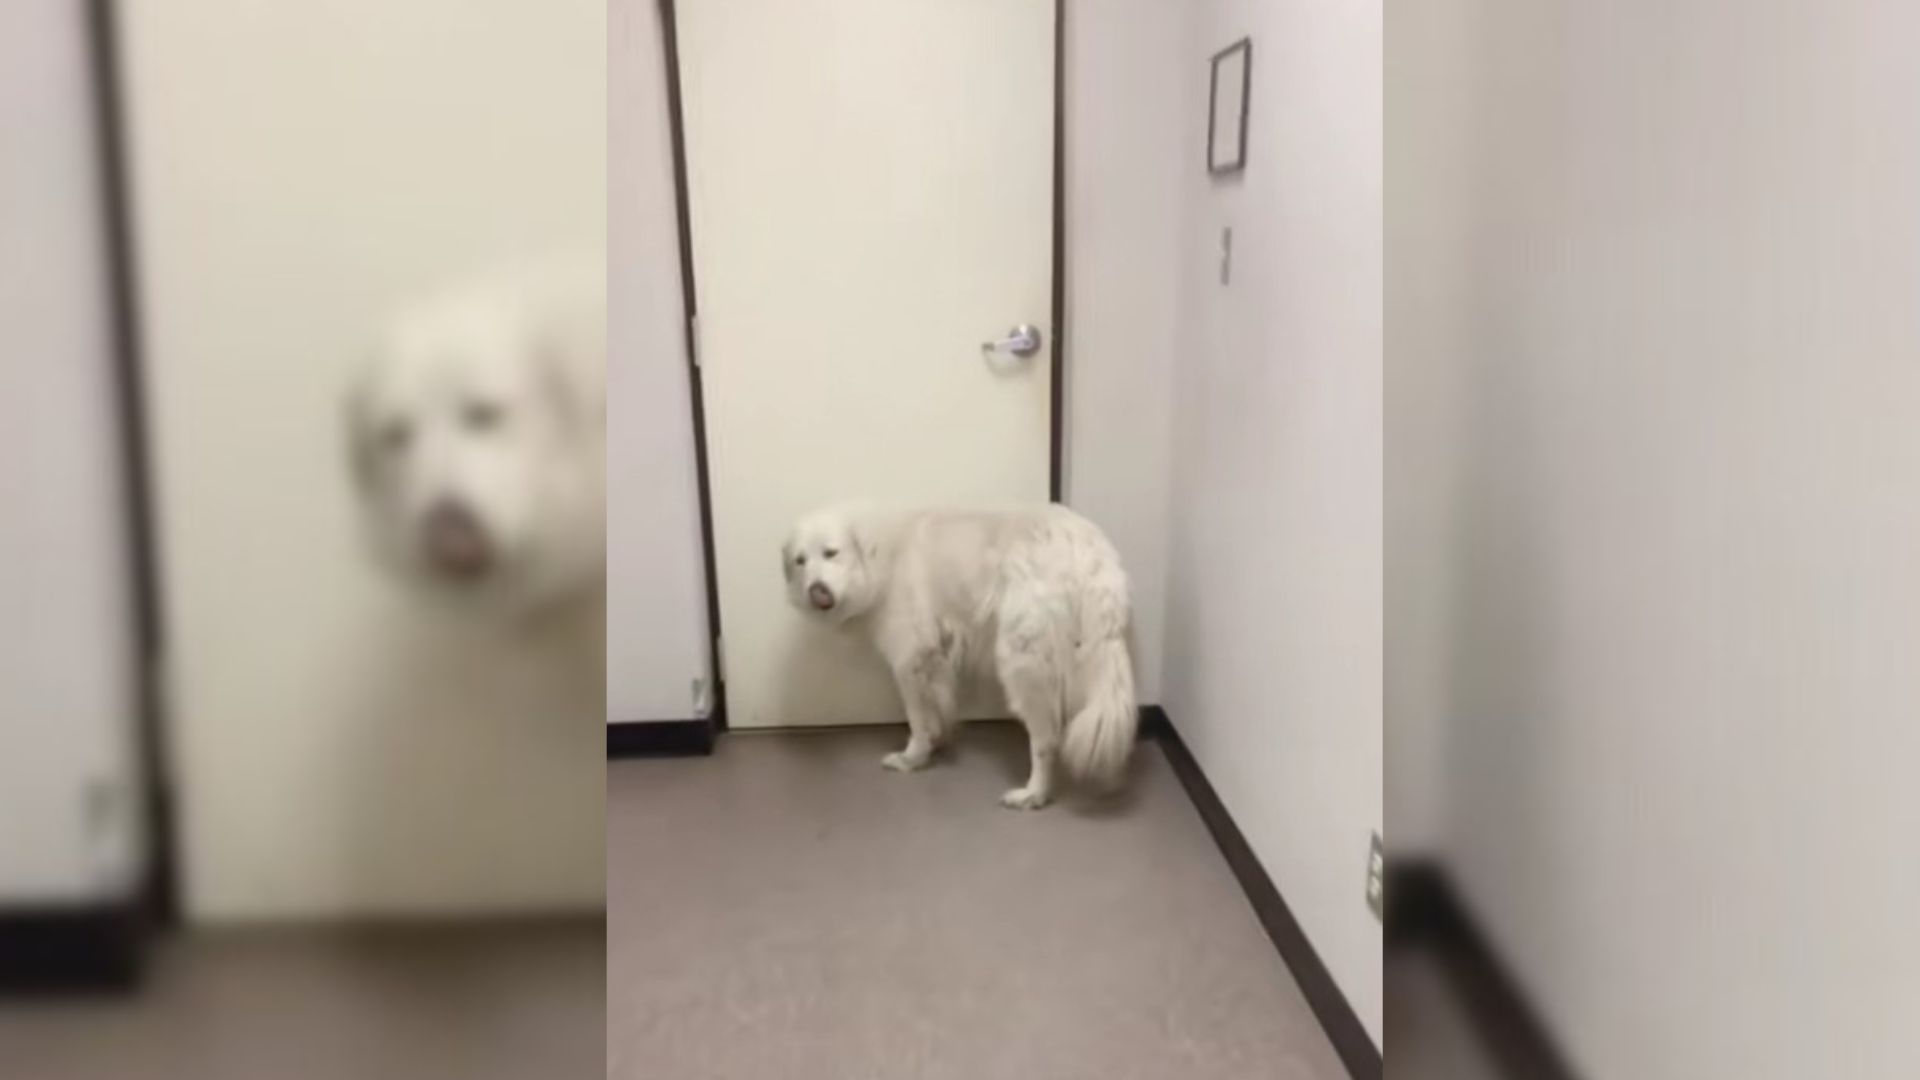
(799, 560)
(481, 416)
(831, 552)
(395, 437)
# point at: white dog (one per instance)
(1036, 597)
(478, 441)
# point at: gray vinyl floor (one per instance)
(505, 1002)
(788, 909)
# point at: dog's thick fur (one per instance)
(477, 440)
(1034, 596)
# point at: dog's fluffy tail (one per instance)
(1099, 738)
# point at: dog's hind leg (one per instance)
(1029, 664)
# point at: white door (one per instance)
(69, 775)
(870, 187)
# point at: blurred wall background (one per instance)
(1652, 687)
(301, 172)
(1430, 125)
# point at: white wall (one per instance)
(1679, 709)
(67, 690)
(1430, 127)
(656, 589)
(1273, 636)
(301, 171)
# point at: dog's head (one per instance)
(831, 563)
(474, 455)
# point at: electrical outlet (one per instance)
(1377, 878)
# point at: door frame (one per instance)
(689, 295)
(99, 943)
(112, 139)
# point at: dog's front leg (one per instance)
(923, 689)
(919, 748)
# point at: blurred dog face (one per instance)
(829, 567)
(475, 455)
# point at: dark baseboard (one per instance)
(1425, 911)
(80, 949)
(1342, 1025)
(660, 738)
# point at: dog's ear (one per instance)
(786, 559)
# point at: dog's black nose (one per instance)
(456, 541)
(820, 596)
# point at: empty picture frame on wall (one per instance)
(1227, 108)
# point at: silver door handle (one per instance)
(1022, 340)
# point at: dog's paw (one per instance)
(900, 762)
(1023, 799)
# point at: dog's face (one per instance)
(829, 567)
(474, 461)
